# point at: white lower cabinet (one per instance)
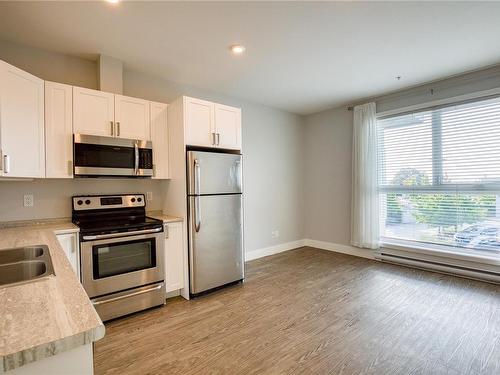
(174, 257)
(69, 243)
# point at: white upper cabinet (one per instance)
(93, 112)
(210, 124)
(199, 122)
(58, 130)
(159, 137)
(228, 127)
(132, 117)
(21, 123)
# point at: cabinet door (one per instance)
(69, 243)
(58, 130)
(132, 118)
(93, 112)
(21, 123)
(159, 137)
(174, 257)
(228, 127)
(199, 122)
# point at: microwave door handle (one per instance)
(136, 158)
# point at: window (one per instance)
(439, 176)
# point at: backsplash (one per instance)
(52, 198)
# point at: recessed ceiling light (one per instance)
(237, 49)
(113, 1)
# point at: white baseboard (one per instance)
(330, 246)
(338, 248)
(266, 251)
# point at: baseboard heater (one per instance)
(442, 264)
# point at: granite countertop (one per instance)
(164, 217)
(42, 318)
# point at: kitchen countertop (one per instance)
(43, 318)
(164, 217)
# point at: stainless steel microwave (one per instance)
(96, 156)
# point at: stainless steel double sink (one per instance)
(24, 264)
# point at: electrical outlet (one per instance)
(29, 201)
(149, 195)
(275, 233)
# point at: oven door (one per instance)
(113, 264)
(107, 156)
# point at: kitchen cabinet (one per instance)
(174, 256)
(228, 127)
(70, 245)
(200, 127)
(58, 130)
(105, 114)
(132, 118)
(21, 123)
(212, 125)
(93, 112)
(160, 139)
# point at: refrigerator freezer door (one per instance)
(213, 173)
(215, 241)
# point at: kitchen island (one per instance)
(47, 325)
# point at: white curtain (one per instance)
(365, 199)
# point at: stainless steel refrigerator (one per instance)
(215, 206)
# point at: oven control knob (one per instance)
(79, 202)
(132, 200)
(139, 199)
(87, 201)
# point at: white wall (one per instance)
(53, 197)
(51, 66)
(328, 140)
(272, 147)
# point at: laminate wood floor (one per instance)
(310, 311)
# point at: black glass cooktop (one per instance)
(116, 225)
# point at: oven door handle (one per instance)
(122, 234)
(128, 295)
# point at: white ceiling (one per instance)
(301, 56)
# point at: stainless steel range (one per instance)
(122, 253)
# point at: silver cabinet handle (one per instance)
(165, 228)
(112, 128)
(1, 160)
(128, 295)
(118, 129)
(197, 214)
(213, 139)
(6, 163)
(197, 177)
(218, 139)
(136, 159)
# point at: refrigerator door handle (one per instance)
(197, 177)
(197, 214)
